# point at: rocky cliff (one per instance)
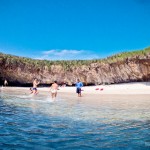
(21, 71)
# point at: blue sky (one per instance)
(73, 29)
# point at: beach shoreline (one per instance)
(129, 93)
(137, 88)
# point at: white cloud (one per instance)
(65, 54)
(62, 52)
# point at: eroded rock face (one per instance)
(131, 69)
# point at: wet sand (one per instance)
(96, 95)
(112, 102)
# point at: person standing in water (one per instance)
(78, 87)
(35, 84)
(53, 89)
(5, 82)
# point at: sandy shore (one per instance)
(125, 88)
(96, 95)
(128, 88)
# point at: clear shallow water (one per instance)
(38, 123)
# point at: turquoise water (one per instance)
(38, 123)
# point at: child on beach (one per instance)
(5, 83)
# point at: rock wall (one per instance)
(127, 70)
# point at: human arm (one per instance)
(81, 84)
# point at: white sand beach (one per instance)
(125, 88)
(126, 96)
(135, 88)
(133, 93)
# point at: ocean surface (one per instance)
(37, 122)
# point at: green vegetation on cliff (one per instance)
(68, 64)
(119, 68)
(125, 55)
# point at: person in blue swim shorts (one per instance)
(35, 84)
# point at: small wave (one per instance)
(46, 100)
(25, 96)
